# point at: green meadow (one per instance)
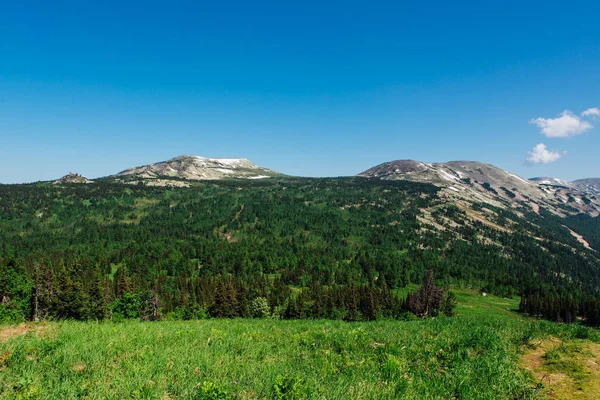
(473, 355)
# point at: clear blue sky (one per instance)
(311, 88)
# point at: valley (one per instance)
(288, 288)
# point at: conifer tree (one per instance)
(97, 298)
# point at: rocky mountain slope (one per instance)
(72, 178)
(553, 182)
(190, 167)
(475, 182)
(589, 185)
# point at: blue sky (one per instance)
(306, 88)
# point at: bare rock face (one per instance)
(198, 168)
(72, 178)
(483, 183)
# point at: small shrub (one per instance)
(188, 312)
(259, 308)
(582, 332)
(288, 388)
(449, 304)
(126, 307)
(212, 391)
(10, 313)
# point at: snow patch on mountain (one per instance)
(447, 176)
(519, 178)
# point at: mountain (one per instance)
(477, 182)
(552, 182)
(189, 167)
(473, 225)
(590, 185)
(330, 232)
(72, 178)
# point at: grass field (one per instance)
(477, 354)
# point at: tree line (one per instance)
(565, 308)
(70, 292)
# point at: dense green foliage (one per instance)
(587, 226)
(568, 304)
(562, 308)
(287, 248)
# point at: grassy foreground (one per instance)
(468, 357)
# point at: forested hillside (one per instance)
(329, 248)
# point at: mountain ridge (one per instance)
(478, 182)
(191, 167)
(473, 181)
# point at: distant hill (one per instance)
(189, 167)
(72, 178)
(552, 182)
(476, 182)
(589, 184)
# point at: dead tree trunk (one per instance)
(36, 297)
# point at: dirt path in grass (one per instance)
(9, 332)
(566, 370)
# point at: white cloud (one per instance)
(591, 112)
(566, 124)
(541, 155)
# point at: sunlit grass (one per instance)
(474, 355)
(475, 304)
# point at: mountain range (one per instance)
(478, 182)
(465, 182)
(471, 223)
